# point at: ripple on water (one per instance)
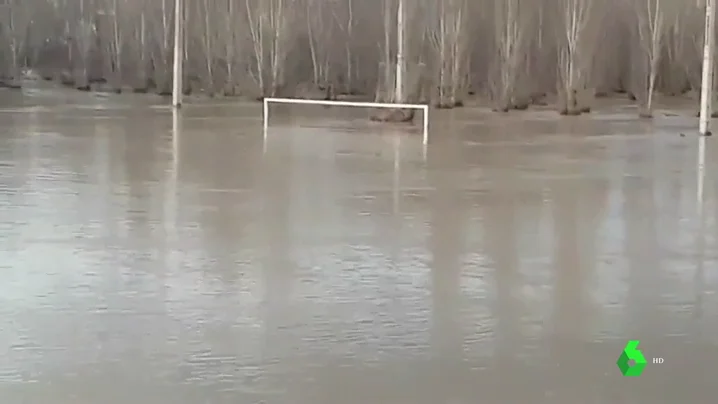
(341, 279)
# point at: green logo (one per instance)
(631, 353)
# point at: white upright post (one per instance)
(400, 65)
(707, 74)
(397, 172)
(425, 110)
(265, 123)
(265, 115)
(706, 96)
(171, 206)
(701, 173)
(265, 118)
(176, 130)
(178, 55)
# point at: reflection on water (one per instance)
(158, 257)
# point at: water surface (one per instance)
(147, 259)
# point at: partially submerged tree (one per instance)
(271, 28)
(681, 57)
(574, 56)
(507, 84)
(385, 85)
(83, 36)
(109, 20)
(139, 46)
(210, 31)
(650, 18)
(322, 27)
(392, 88)
(15, 32)
(448, 35)
(232, 52)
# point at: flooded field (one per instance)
(152, 258)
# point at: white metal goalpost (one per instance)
(422, 107)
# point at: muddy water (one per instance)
(146, 260)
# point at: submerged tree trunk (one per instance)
(399, 93)
(650, 17)
(16, 31)
(162, 47)
(448, 38)
(271, 28)
(574, 57)
(142, 83)
(510, 32)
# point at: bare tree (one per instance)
(16, 23)
(510, 35)
(394, 86)
(611, 62)
(232, 49)
(81, 31)
(542, 51)
(270, 23)
(574, 55)
(385, 85)
(321, 28)
(650, 18)
(141, 49)
(350, 58)
(112, 37)
(161, 28)
(685, 46)
(208, 15)
(450, 42)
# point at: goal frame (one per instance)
(361, 104)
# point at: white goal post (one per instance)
(422, 107)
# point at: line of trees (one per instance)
(513, 52)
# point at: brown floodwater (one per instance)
(152, 258)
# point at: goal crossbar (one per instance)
(362, 104)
